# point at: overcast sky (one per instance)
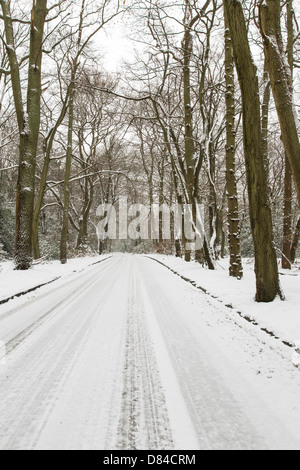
(115, 45)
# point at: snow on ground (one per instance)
(125, 355)
(14, 282)
(280, 318)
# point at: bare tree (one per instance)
(81, 43)
(266, 269)
(281, 82)
(236, 269)
(28, 122)
(47, 150)
(288, 179)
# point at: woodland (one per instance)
(205, 111)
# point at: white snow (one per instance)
(281, 318)
(296, 355)
(126, 355)
(13, 282)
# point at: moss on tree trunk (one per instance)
(266, 268)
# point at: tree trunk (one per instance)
(288, 178)
(161, 201)
(265, 117)
(287, 217)
(102, 247)
(178, 250)
(83, 226)
(281, 83)
(223, 244)
(65, 223)
(213, 209)
(207, 255)
(187, 48)
(29, 142)
(191, 176)
(295, 241)
(236, 269)
(266, 268)
(28, 124)
(48, 144)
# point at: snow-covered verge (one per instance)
(280, 318)
(15, 282)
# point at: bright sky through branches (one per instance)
(114, 45)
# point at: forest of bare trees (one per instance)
(204, 112)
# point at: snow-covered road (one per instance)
(125, 355)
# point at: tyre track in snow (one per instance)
(37, 386)
(241, 395)
(144, 421)
(20, 333)
(54, 311)
(126, 356)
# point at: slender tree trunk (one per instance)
(295, 241)
(265, 118)
(207, 255)
(266, 268)
(213, 209)
(102, 244)
(288, 177)
(178, 250)
(223, 242)
(37, 210)
(161, 201)
(236, 269)
(187, 47)
(71, 89)
(178, 243)
(43, 181)
(191, 179)
(281, 83)
(287, 217)
(83, 226)
(65, 223)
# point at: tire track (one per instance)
(144, 421)
(66, 334)
(55, 310)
